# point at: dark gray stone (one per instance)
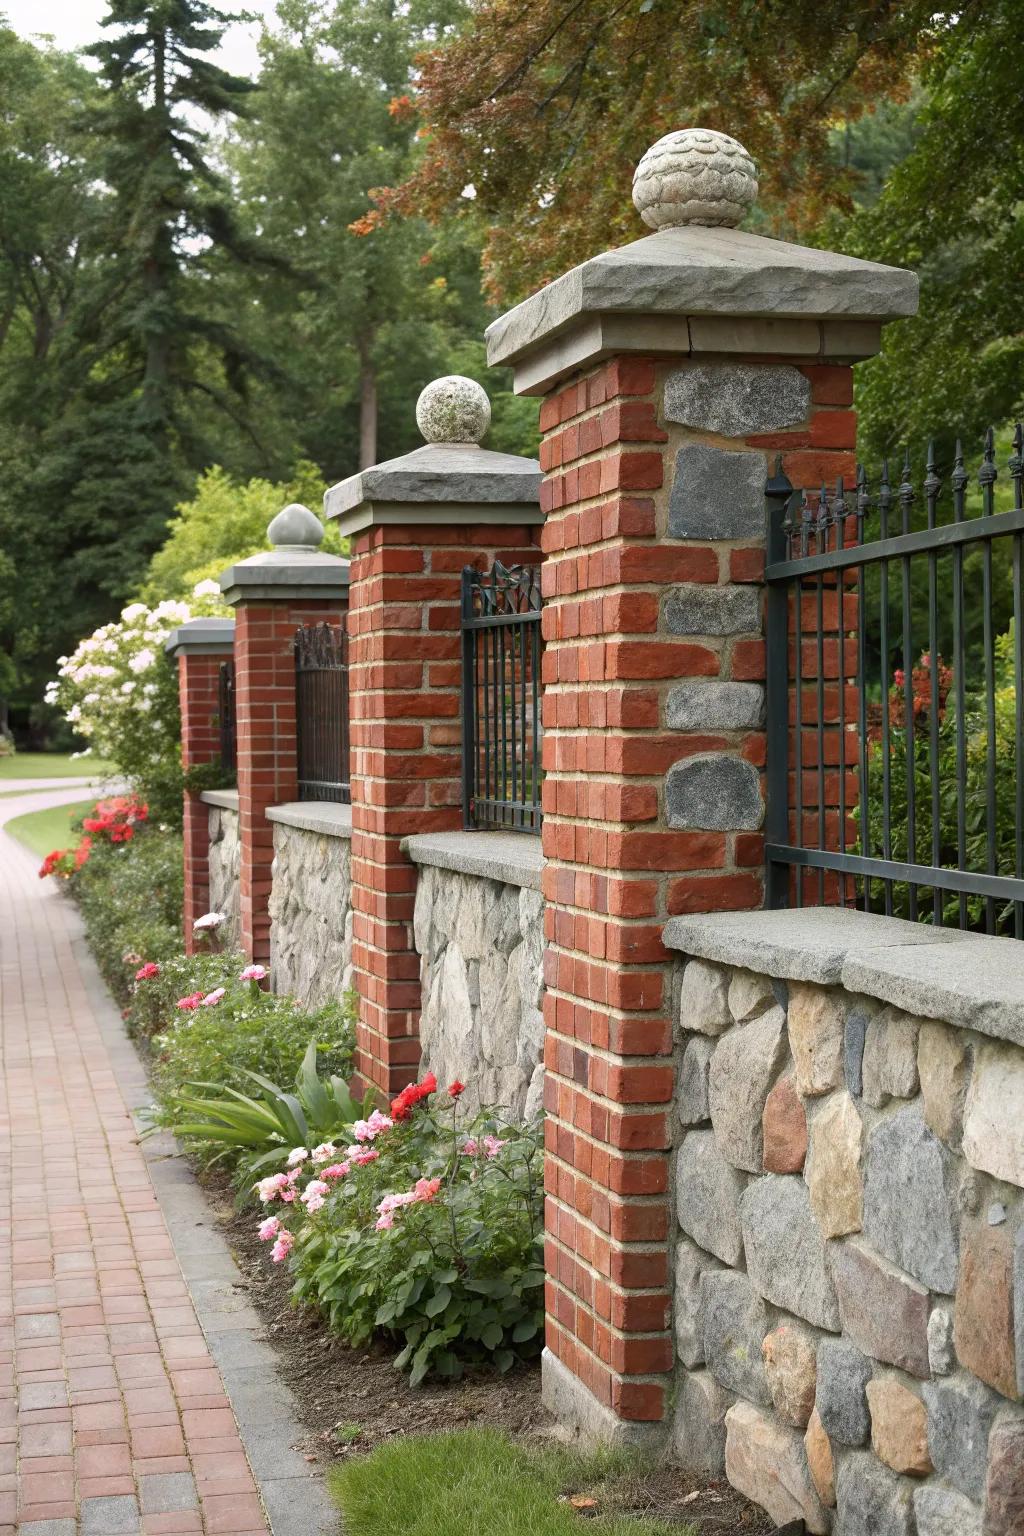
(714, 793)
(961, 1411)
(734, 399)
(702, 608)
(745, 1064)
(841, 1401)
(708, 1197)
(908, 1215)
(692, 1096)
(871, 1500)
(942, 1512)
(717, 494)
(698, 1424)
(687, 1301)
(715, 706)
(854, 1033)
(883, 1311)
(735, 1323)
(786, 1251)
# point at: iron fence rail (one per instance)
(501, 724)
(895, 682)
(226, 718)
(321, 712)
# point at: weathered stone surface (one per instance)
(960, 1415)
(872, 1501)
(708, 1197)
(698, 1424)
(743, 1068)
(786, 1252)
(993, 1122)
(890, 1058)
(1004, 1490)
(766, 1462)
(833, 1166)
(908, 1214)
(311, 915)
(784, 1128)
(716, 494)
(749, 995)
(703, 608)
(789, 1360)
(735, 1323)
(883, 1311)
(820, 1461)
(709, 705)
(854, 1035)
(692, 1096)
(704, 998)
(453, 410)
(687, 1302)
(899, 1426)
(734, 399)
(714, 792)
(944, 1067)
(225, 869)
(816, 1020)
(983, 1319)
(941, 1354)
(840, 1401)
(1018, 1306)
(944, 1512)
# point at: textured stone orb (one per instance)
(296, 527)
(694, 176)
(453, 410)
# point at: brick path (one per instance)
(113, 1415)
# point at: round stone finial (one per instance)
(296, 528)
(453, 410)
(694, 176)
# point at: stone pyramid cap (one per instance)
(295, 528)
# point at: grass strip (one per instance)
(52, 765)
(42, 831)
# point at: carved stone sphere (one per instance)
(694, 176)
(453, 410)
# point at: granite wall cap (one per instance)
(226, 799)
(202, 637)
(328, 818)
(485, 486)
(276, 576)
(514, 858)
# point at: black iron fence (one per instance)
(226, 717)
(896, 691)
(501, 726)
(321, 712)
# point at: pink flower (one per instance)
(335, 1171)
(470, 1147)
(324, 1152)
(254, 973)
(312, 1196)
(268, 1189)
(492, 1146)
(268, 1229)
(370, 1155)
(288, 1195)
(192, 1001)
(213, 997)
(426, 1190)
(297, 1155)
(294, 1174)
(367, 1130)
(384, 1221)
(149, 970)
(283, 1247)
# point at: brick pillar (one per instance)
(273, 594)
(668, 383)
(201, 647)
(415, 523)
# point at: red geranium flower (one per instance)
(456, 1088)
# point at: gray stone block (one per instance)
(890, 1058)
(786, 1251)
(164, 1492)
(744, 1066)
(715, 706)
(115, 1515)
(702, 608)
(750, 994)
(961, 1412)
(942, 1512)
(687, 1302)
(698, 1424)
(714, 793)
(708, 1197)
(871, 1500)
(908, 1215)
(692, 1094)
(704, 998)
(841, 1400)
(734, 399)
(941, 1353)
(717, 494)
(993, 1125)
(854, 1034)
(735, 1323)
(883, 1310)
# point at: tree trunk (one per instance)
(367, 404)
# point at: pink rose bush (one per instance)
(427, 1228)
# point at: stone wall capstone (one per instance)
(311, 915)
(225, 862)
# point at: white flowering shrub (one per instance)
(120, 691)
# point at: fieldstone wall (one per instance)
(481, 948)
(225, 864)
(849, 1260)
(311, 914)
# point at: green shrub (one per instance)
(131, 897)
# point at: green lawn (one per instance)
(52, 765)
(42, 831)
(477, 1482)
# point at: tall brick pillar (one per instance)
(201, 647)
(670, 372)
(414, 524)
(273, 594)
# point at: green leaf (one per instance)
(491, 1335)
(438, 1302)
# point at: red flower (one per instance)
(403, 1104)
(148, 970)
(456, 1088)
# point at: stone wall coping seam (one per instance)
(324, 816)
(227, 799)
(514, 858)
(969, 980)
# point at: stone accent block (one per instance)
(816, 1019)
(737, 399)
(883, 1310)
(717, 494)
(784, 1128)
(692, 1094)
(698, 1427)
(961, 1412)
(702, 608)
(687, 1301)
(750, 995)
(899, 1427)
(908, 1215)
(714, 793)
(706, 705)
(993, 1123)
(872, 1500)
(890, 1058)
(790, 1363)
(766, 1462)
(820, 1461)
(735, 1323)
(743, 1068)
(854, 1035)
(708, 1197)
(1004, 1489)
(786, 1251)
(983, 1319)
(840, 1402)
(704, 998)
(943, 1512)
(941, 1354)
(944, 1067)
(833, 1167)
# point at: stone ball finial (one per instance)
(296, 528)
(453, 410)
(694, 176)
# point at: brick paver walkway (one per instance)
(113, 1415)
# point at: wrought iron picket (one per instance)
(321, 712)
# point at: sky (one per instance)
(72, 23)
